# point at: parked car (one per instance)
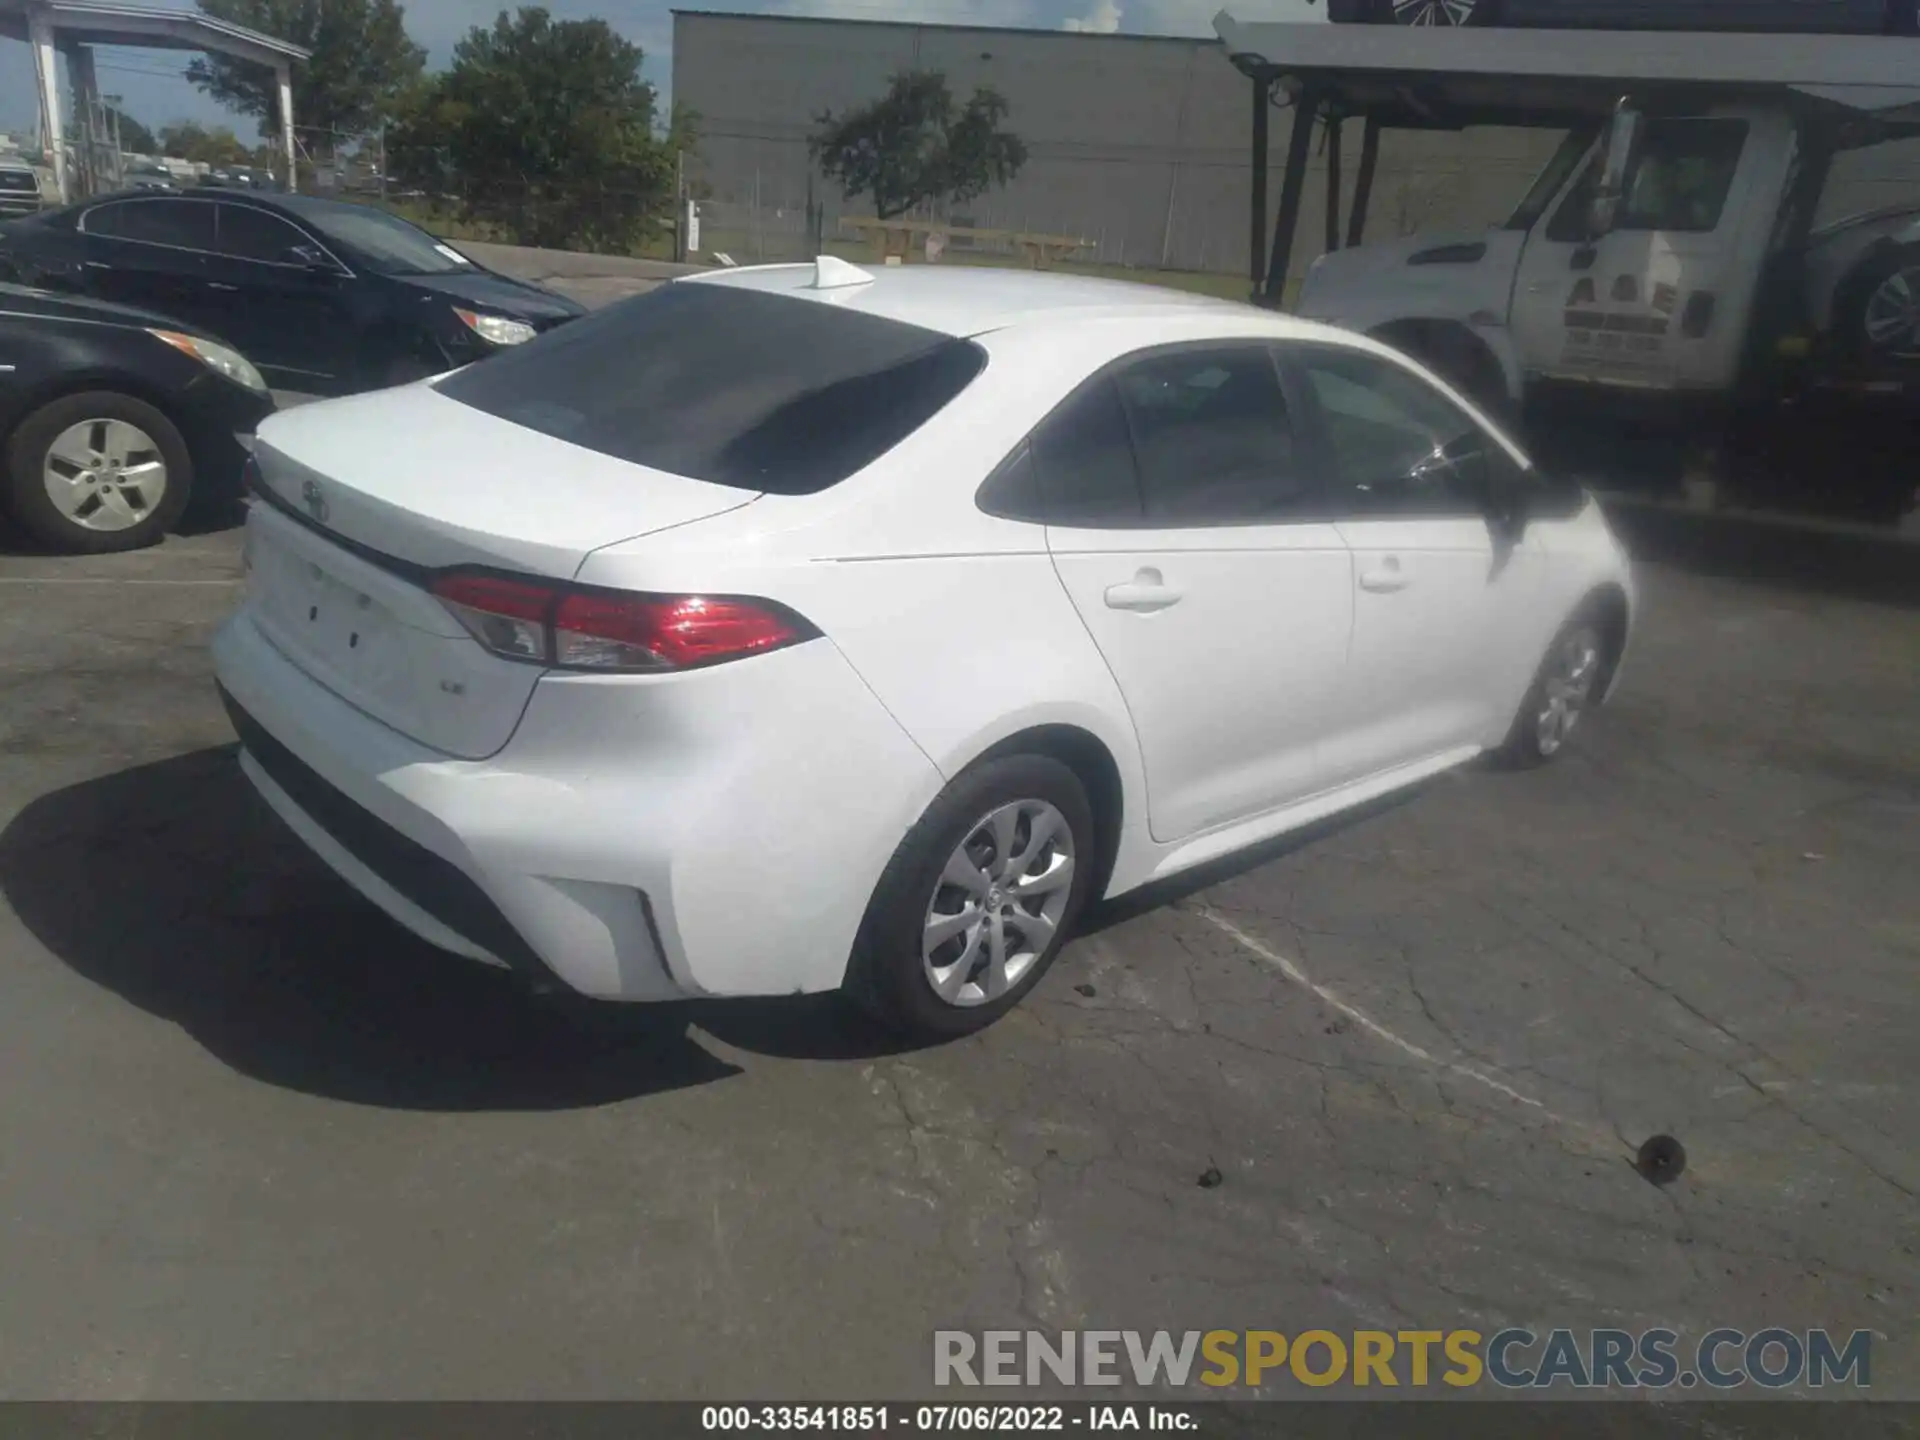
(112, 420)
(801, 627)
(1865, 17)
(23, 189)
(325, 297)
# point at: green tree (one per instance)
(363, 61)
(135, 138)
(544, 129)
(188, 140)
(914, 146)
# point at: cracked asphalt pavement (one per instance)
(258, 1142)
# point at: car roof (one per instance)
(967, 300)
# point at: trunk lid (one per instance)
(369, 496)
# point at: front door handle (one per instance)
(1386, 577)
(216, 285)
(1144, 595)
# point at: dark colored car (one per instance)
(324, 296)
(113, 419)
(146, 175)
(1858, 17)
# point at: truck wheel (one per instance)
(1878, 312)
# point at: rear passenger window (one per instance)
(181, 224)
(1084, 461)
(1213, 437)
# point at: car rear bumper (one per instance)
(596, 852)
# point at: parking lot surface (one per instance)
(258, 1142)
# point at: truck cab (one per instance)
(1636, 261)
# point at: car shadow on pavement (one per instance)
(173, 886)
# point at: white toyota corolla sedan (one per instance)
(799, 627)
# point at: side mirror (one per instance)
(312, 258)
(1623, 133)
(1480, 470)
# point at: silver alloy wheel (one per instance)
(998, 902)
(1434, 12)
(1567, 688)
(1893, 312)
(105, 474)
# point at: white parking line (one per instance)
(1291, 971)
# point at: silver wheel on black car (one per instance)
(97, 472)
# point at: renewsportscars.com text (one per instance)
(1515, 1359)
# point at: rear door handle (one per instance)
(216, 285)
(1145, 594)
(1385, 578)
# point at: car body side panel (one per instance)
(50, 347)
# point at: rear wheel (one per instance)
(97, 472)
(977, 900)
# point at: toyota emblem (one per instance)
(316, 502)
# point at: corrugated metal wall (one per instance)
(1138, 144)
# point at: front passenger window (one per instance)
(1399, 446)
(248, 234)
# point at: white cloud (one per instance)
(1102, 19)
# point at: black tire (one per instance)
(888, 974)
(1526, 745)
(1856, 295)
(33, 508)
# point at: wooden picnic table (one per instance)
(896, 237)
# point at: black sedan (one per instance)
(1858, 17)
(112, 420)
(325, 297)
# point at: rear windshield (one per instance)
(759, 391)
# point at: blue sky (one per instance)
(154, 91)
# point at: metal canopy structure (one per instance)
(1858, 89)
(74, 27)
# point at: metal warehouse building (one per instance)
(1138, 144)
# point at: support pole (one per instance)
(87, 118)
(40, 40)
(1257, 250)
(1363, 182)
(1333, 183)
(283, 76)
(1291, 187)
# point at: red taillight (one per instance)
(613, 630)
